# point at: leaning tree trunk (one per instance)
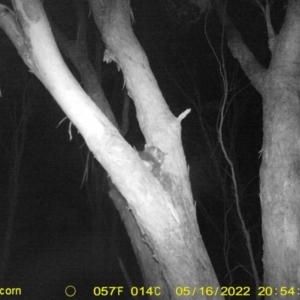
(159, 201)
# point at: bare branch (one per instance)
(239, 50)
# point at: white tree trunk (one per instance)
(161, 204)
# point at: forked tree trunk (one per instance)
(159, 205)
(280, 169)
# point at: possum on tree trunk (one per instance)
(153, 159)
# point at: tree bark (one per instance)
(279, 173)
(162, 205)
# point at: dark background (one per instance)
(54, 241)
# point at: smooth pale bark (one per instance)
(161, 129)
(162, 207)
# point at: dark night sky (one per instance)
(51, 197)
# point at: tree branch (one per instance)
(253, 70)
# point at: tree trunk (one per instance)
(280, 175)
(280, 172)
(159, 200)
